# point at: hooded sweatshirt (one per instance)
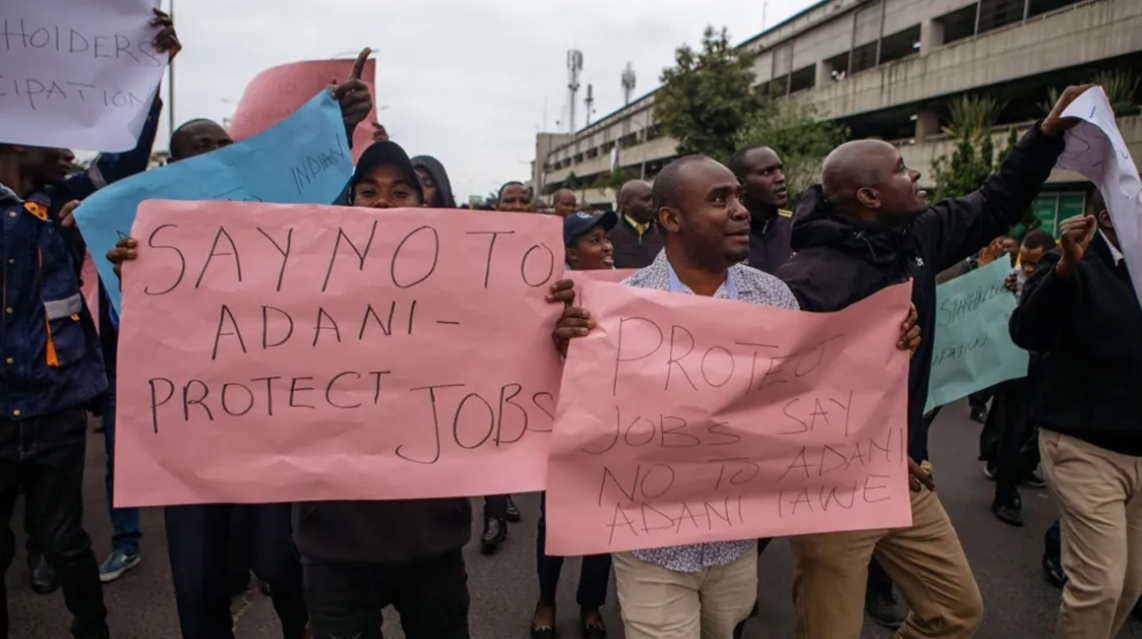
(444, 198)
(394, 531)
(840, 260)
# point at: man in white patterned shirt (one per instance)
(701, 590)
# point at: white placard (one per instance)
(1096, 149)
(77, 74)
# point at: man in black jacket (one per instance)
(635, 238)
(1081, 309)
(868, 227)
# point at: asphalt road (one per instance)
(1020, 604)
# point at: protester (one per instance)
(586, 243)
(1013, 460)
(1080, 308)
(564, 202)
(587, 249)
(765, 195)
(434, 181)
(1011, 248)
(514, 197)
(199, 536)
(870, 226)
(636, 239)
(764, 192)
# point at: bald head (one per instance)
(868, 179)
(197, 137)
(636, 200)
(564, 202)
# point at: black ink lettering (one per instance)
(155, 403)
(322, 327)
(765, 381)
(785, 411)
(293, 390)
(550, 266)
(234, 253)
(824, 499)
(266, 327)
(737, 478)
(706, 375)
(848, 413)
(712, 512)
(360, 256)
(859, 456)
(615, 523)
(432, 267)
(629, 494)
(181, 260)
(630, 427)
(377, 391)
(646, 528)
(491, 248)
(753, 359)
(222, 315)
(804, 465)
(269, 392)
(284, 252)
(670, 362)
(122, 45)
(668, 483)
(614, 440)
(187, 402)
(249, 395)
(802, 498)
(619, 351)
(867, 488)
(369, 312)
(411, 315)
(826, 450)
(820, 350)
(329, 391)
(98, 41)
(731, 437)
(550, 413)
(460, 411)
(818, 411)
(689, 440)
(71, 43)
(886, 449)
(686, 514)
(507, 399)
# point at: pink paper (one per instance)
(613, 275)
(276, 93)
(418, 363)
(721, 420)
(90, 288)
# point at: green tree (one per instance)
(798, 133)
(1121, 86)
(707, 97)
(974, 157)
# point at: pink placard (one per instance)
(90, 289)
(276, 353)
(684, 419)
(276, 93)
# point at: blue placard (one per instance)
(304, 159)
(972, 348)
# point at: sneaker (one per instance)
(989, 470)
(885, 609)
(118, 563)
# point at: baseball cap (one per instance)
(579, 223)
(386, 152)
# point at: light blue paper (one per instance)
(972, 346)
(304, 159)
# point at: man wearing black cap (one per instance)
(360, 556)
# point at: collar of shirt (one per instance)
(1114, 252)
(728, 290)
(640, 228)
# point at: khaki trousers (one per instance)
(925, 562)
(1099, 494)
(663, 604)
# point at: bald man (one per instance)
(564, 202)
(635, 238)
(867, 227)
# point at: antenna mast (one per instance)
(628, 84)
(574, 67)
(589, 102)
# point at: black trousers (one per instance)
(1016, 452)
(593, 575)
(430, 595)
(45, 456)
(199, 540)
(496, 507)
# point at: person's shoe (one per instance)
(1008, 507)
(885, 609)
(591, 628)
(978, 415)
(1034, 480)
(495, 532)
(512, 511)
(989, 470)
(543, 629)
(45, 580)
(1054, 571)
(118, 563)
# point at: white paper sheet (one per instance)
(77, 74)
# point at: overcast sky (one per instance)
(463, 80)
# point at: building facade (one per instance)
(888, 69)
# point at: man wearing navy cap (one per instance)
(585, 238)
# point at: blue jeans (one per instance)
(125, 533)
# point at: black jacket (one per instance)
(632, 251)
(444, 198)
(399, 531)
(1089, 326)
(769, 241)
(840, 260)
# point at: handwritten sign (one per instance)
(972, 348)
(275, 353)
(276, 93)
(613, 275)
(684, 419)
(305, 160)
(77, 74)
(1096, 149)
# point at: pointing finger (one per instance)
(359, 65)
